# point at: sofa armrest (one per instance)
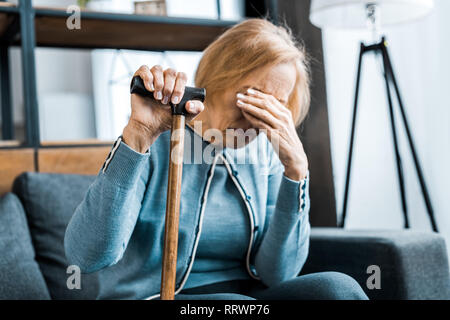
(413, 265)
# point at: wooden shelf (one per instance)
(77, 143)
(8, 12)
(10, 143)
(119, 31)
(7, 5)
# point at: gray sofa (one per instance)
(33, 218)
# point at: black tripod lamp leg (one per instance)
(352, 137)
(398, 158)
(411, 143)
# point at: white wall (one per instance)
(64, 85)
(420, 53)
(64, 81)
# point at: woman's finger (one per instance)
(274, 135)
(158, 81)
(277, 107)
(144, 73)
(178, 90)
(170, 76)
(256, 122)
(259, 113)
(260, 103)
(194, 107)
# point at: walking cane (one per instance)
(169, 262)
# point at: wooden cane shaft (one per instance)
(169, 264)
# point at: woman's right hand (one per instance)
(150, 117)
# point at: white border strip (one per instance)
(111, 154)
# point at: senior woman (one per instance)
(244, 229)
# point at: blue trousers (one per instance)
(314, 286)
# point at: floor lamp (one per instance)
(372, 14)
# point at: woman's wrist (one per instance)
(138, 137)
(296, 173)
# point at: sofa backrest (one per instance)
(49, 201)
(20, 275)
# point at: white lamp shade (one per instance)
(352, 13)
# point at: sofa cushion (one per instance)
(20, 277)
(49, 201)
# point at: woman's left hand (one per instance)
(264, 111)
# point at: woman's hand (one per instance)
(150, 117)
(264, 111)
